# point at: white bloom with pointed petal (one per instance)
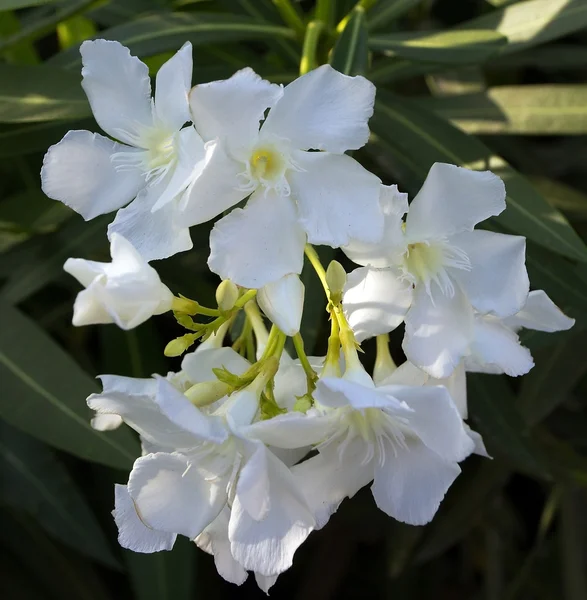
(207, 460)
(496, 347)
(153, 160)
(126, 291)
(407, 440)
(436, 270)
(326, 196)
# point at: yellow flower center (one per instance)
(424, 261)
(267, 164)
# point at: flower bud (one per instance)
(179, 345)
(226, 295)
(336, 280)
(283, 303)
(207, 392)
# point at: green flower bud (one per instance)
(226, 295)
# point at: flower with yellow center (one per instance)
(285, 148)
(433, 270)
(154, 160)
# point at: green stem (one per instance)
(310, 47)
(290, 16)
(362, 4)
(325, 12)
(245, 298)
(314, 259)
(384, 364)
(332, 361)
(191, 307)
(311, 375)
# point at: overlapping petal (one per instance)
(259, 244)
(497, 282)
(540, 313)
(439, 330)
(118, 89)
(451, 200)
(337, 199)
(376, 301)
(79, 172)
(323, 110)
(231, 110)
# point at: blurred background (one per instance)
(483, 83)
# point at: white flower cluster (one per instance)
(226, 440)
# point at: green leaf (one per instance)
(18, 140)
(34, 480)
(421, 138)
(154, 34)
(528, 24)
(554, 377)
(450, 47)
(44, 392)
(50, 252)
(492, 407)
(38, 28)
(527, 109)
(164, 575)
(565, 198)
(15, 4)
(549, 57)
(386, 11)
(59, 572)
(351, 54)
(40, 93)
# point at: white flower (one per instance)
(126, 291)
(283, 303)
(207, 461)
(496, 347)
(326, 196)
(456, 384)
(407, 440)
(435, 270)
(155, 161)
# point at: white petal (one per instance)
(133, 534)
(139, 411)
(265, 583)
(292, 430)
(540, 313)
(283, 303)
(338, 199)
(179, 410)
(375, 301)
(498, 347)
(435, 419)
(498, 281)
(155, 235)
(172, 87)
(412, 482)
(323, 110)
(259, 244)
(214, 540)
(328, 478)
(190, 160)
(79, 172)
(233, 108)
(106, 422)
(290, 382)
(198, 365)
(87, 309)
(171, 497)
(215, 189)
(336, 392)
(383, 253)
(456, 384)
(267, 546)
(452, 200)
(438, 332)
(118, 88)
